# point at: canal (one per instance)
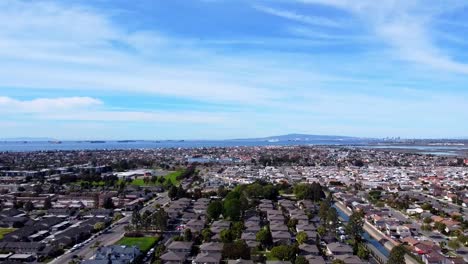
(366, 235)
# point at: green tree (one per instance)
(462, 238)
(354, 228)
(136, 219)
(362, 252)
(440, 227)
(301, 237)
(206, 235)
(426, 207)
(397, 255)
(214, 210)
(159, 220)
(226, 236)
(427, 220)
(309, 191)
(292, 223)
(232, 209)
(264, 237)
(99, 226)
(321, 230)
(375, 195)
(453, 244)
(237, 228)
(283, 252)
(236, 250)
(301, 260)
(324, 208)
(332, 219)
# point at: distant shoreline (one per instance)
(435, 149)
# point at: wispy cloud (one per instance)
(93, 109)
(43, 105)
(45, 44)
(241, 84)
(406, 27)
(306, 19)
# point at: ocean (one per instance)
(22, 146)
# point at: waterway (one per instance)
(23, 146)
(366, 235)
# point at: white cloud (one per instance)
(92, 109)
(43, 105)
(73, 48)
(139, 116)
(406, 27)
(311, 20)
(46, 44)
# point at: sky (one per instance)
(220, 69)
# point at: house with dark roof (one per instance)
(180, 246)
(337, 249)
(22, 247)
(13, 221)
(278, 227)
(305, 227)
(309, 249)
(281, 237)
(211, 247)
(222, 224)
(315, 259)
(173, 257)
(247, 236)
(207, 258)
(195, 225)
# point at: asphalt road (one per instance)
(109, 237)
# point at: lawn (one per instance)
(143, 243)
(173, 177)
(4, 231)
(170, 177)
(140, 182)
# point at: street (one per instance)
(108, 237)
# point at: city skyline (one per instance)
(217, 69)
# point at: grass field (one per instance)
(173, 177)
(143, 243)
(170, 177)
(140, 182)
(4, 231)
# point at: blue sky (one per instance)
(216, 69)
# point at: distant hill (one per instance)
(302, 137)
(28, 139)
